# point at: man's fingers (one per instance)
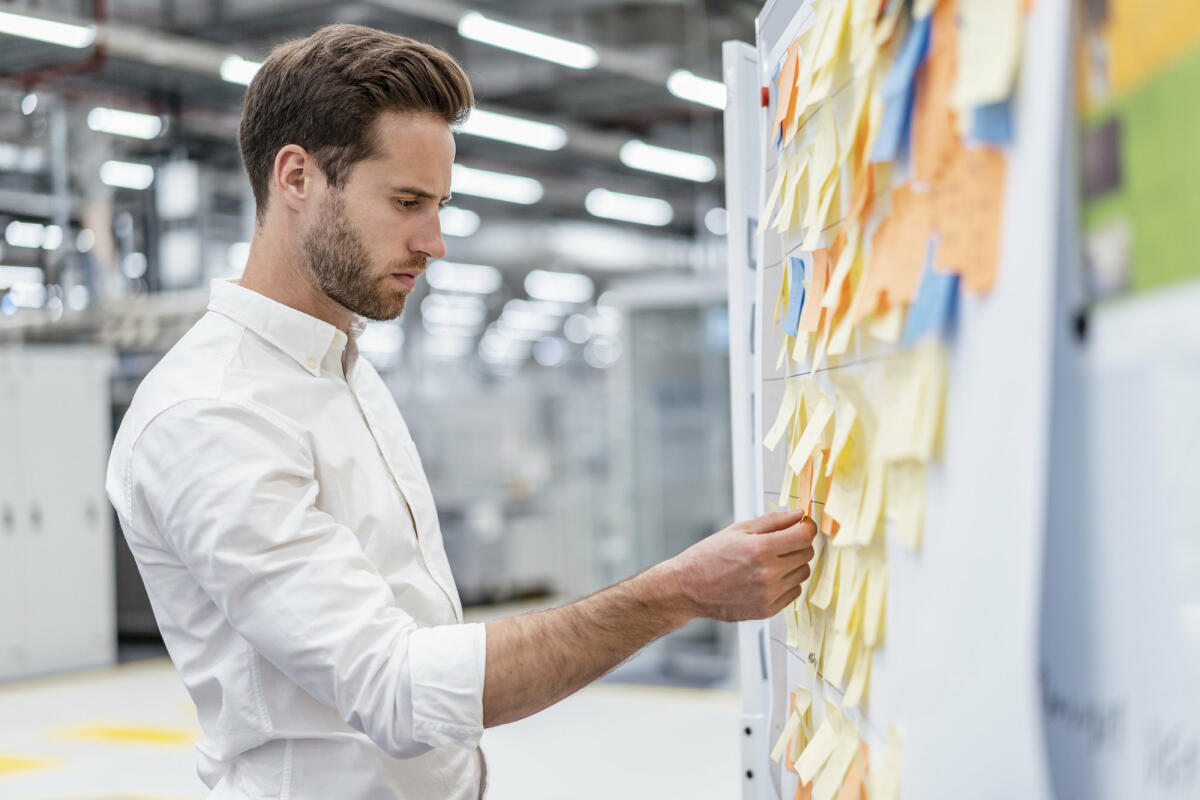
(775, 521)
(792, 592)
(795, 537)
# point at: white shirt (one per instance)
(273, 498)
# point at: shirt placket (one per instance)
(397, 478)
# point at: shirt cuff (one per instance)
(446, 666)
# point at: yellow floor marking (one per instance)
(10, 764)
(131, 734)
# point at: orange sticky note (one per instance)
(968, 209)
(785, 89)
(804, 481)
(803, 791)
(934, 127)
(810, 315)
(852, 786)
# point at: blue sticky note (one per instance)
(791, 323)
(936, 304)
(992, 124)
(894, 127)
(912, 52)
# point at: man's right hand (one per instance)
(750, 570)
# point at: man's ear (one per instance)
(295, 176)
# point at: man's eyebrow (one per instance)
(419, 193)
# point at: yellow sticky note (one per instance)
(772, 198)
(989, 51)
(885, 780)
(850, 592)
(787, 409)
(839, 658)
(888, 327)
(822, 592)
(829, 779)
(872, 504)
(860, 678)
(875, 604)
(789, 730)
(906, 500)
(817, 753)
(845, 415)
(813, 431)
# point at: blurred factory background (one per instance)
(564, 371)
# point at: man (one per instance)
(276, 506)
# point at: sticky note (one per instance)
(843, 652)
(968, 206)
(785, 88)
(934, 126)
(817, 753)
(872, 503)
(906, 500)
(787, 408)
(989, 51)
(795, 303)
(852, 788)
(897, 91)
(992, 124)
(782, 297)
(813, 431)
(810, 316)
(829, 780)
(934, 309)
(874, 604)
(821, 594)
(790, 729)
(860, 677)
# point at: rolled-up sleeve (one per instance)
(234, 493)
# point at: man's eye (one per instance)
(408, 203)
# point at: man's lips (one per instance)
(406, 279)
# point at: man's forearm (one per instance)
(533, 661)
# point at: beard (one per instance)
(342, 268)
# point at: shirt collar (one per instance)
(305, 338)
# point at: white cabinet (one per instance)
(56, 547)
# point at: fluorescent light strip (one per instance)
(236, 69)
(474, 25)
(44, 30)
(695, 89)
(127, 175)
(124, 123)
(496, 185)
(448, 276)
(665, 161)
(561, 287)
(525, 132)
(628, 207)
(458, 221)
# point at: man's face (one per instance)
(370, 240)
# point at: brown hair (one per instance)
(324, 93)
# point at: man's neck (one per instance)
(276, 270)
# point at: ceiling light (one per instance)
(11, 276)
(127, 175)
(474, 25)
(440, 314)
(448, 347)
(531, 321)
(665, 161)
(236, 69)
(124, 123)
(628, 207)
(578, 328)
(496, 185)
(29, 104)
(458, 221)
(687, 86)
(448, 276)
(44, 30)
(717, 221)
(549, 352)
(561, 287)
(526, 132)
(472, 301)
(438, 329)
(25, 234)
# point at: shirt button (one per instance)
(313, 363)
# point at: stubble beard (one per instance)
(343, 271)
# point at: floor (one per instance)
(125, 732)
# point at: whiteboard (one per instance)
(959, 670)
(1121, 622)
